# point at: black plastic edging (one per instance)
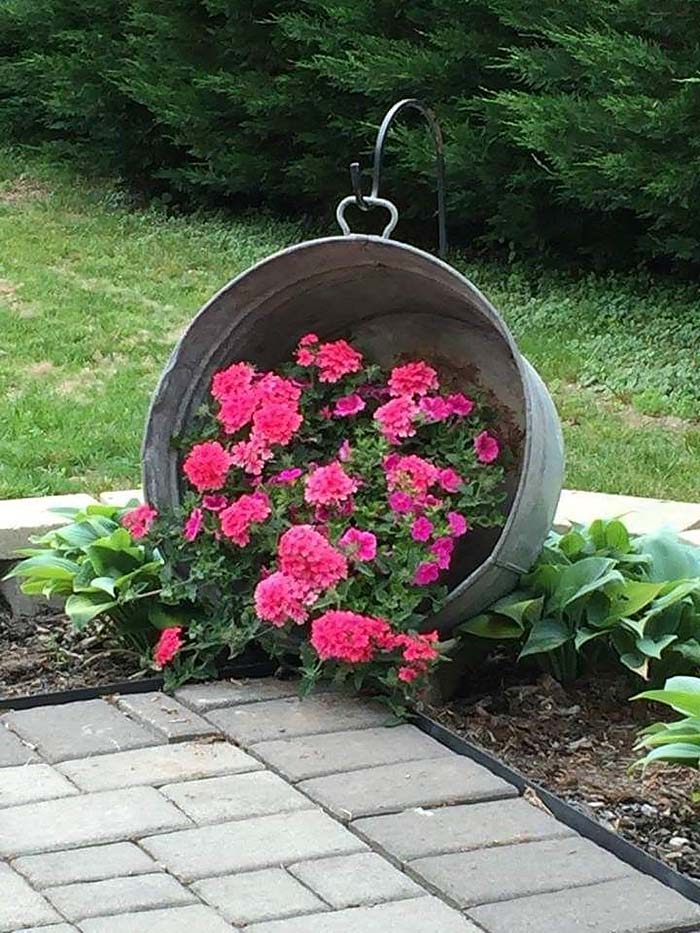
(145, 685)
(565, 812)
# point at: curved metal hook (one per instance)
(355, 177)
(369, 203)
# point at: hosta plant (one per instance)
(677, 742)
(595, 595)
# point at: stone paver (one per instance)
(635, 904)
(22, 518)
(54, 928)
(121, 497)
(86, 819)
(160, 765)
(118, 896)
(417, 915)
(13, 751)
(237, 797)
(355, 880)
(249, 844)
(318, 755)
(420, 832)
(640, 515)
(507, 872)
(32, 782)
(20, 906)
(94, 863)
(205, 697)
(279, 719)
(73, 730)
(391, 788)
(258, 895)
(165, 716)
(194, 919)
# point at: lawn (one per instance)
(94, 293)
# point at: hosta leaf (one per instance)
(690, 650)
(491, 625)
(670, 557)
(636, 662)
(653, 649)
(82, 607)
(546, 635)
(46, 567)
(584, 577)
(635, 596)
(616, 536)
(678, 752)
(683, 702)
(584, 635)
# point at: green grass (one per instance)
(93, 295)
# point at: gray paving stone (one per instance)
(258, 895)
(86, 819)
(32, 782)
(420, 832)
(194, 919)
(94, 863)
(237, 797)
(118, 896)
(317, 755)
(160, 765)
(221, 693)
(417, 915)
(19, 905)
(165, 716)
(355, 880)
(507, 872)
(261, 842)
(13, 751)
(279, 719)
(392, 788)
(636, 904)
(54, 928)
(74, 730)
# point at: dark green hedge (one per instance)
(571, 125)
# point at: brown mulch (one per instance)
(577, 741)
(43, 653)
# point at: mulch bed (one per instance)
(43, 653)
(577, 741)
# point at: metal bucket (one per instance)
(392, 301)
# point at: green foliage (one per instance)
(570, 126)
(677, 742)
(595, 595)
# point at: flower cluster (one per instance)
(339, 497)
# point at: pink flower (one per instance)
(419, 647)
(286, 476)
(395, 418)
(276, 423)
(237, 409)
(279, 598)
(426, 573)
(238, 518)
(486, 447)
(400, 502)
(449, 479)
(458, 524)
(460, 405)
(434, 408)
(214, 503)
(421, 529)
(408, 674)
(345, 452)
(348, 405)
(207, 465)
(251, 456)
(340, 635)
(274, 388)
(413, 379)
(337, 359)
(442, 548)
(307, 556)
(412, 473)
(168, 645)
(236, 379)
(329, 485)
(306, 350)
(361, 544)
(193, 525)
(138, 521)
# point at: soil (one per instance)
(43, 653)
(577, 741)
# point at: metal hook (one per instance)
(356, 179)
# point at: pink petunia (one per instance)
(400, 502)
(435, 408)
(239, 517)
(339, 635)
(236, 410)
(337, 359)
(138, 521)
(286, 477)
(193, 525)
(449, 479)
(235, 380)
(306, 350)
(329, 485)
(348, 405)
(396, 419)
(251, 456)
(486, 447)
(421, 529)
(279, 598)
(362, 545)
(460, 405)
(442, 549)
(307, 556)
(168, 645)
(214, 503)
(207, 465)
(345, 452)
(413, 379)
(458, 524)
(426, 573)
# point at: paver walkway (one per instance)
(236, 805)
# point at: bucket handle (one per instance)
(370, 202)
(373, 199)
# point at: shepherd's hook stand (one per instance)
(365, 202)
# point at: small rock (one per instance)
(678, 842)
(648, 810)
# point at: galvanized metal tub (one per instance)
(392, 300)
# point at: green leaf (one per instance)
(163, 618)
(105, 584)
(584, 577)
(546, 635)
(616, 536)
(572, 543)
(584, 635)
(670, 557)
(680, 752)
(681, 701)
(46, 567)
(634, 596)
(653, 649)
(82, 607)
(491, 625)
